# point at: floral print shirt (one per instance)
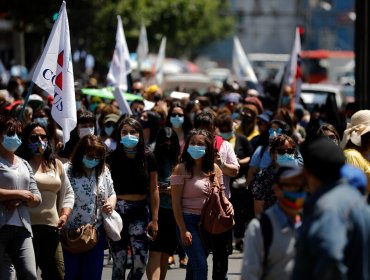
(261, 186)
(85, 194)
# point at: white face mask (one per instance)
(83, 131)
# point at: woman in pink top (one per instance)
(190, 186)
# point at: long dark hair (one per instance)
(48, 158)
(161, 152)
(209, 157)
(88, 144)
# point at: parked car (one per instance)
(318, 94)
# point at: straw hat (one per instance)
(360, 124)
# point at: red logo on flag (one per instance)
(59, 78)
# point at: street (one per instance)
(177, 273)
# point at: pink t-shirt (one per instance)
(195, 192)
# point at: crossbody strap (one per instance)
(96, 200)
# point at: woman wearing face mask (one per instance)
(283, 151)
(134, 173)
(18, 192)
(86, 123)
(190, 185)
(93, 187)
(109, 126)
(179, 122)
(57, 200)
(167, 150)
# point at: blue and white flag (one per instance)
(54, 74)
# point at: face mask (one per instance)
(38, 148)
(83, 131)
(227, 135)
(20, 89)
(42, 121)
(235, 116)
(196, 152)
(293, 200)
(129, 141)
(78, 104)
(11, 143)
(90, 163)
(285, 100)
(109, 130)
(177, 121)
(144, 124)
(273, 133)
(285, 158)
(93, 107)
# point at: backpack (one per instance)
(266, 230)
(213, 217)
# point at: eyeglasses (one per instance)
(289, 151)
(177, 115)
(36, 137)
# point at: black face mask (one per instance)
(157, 98)
(247, 118)
(144, 124)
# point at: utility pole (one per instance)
(362, 51)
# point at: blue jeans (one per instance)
(16, 242)
(197, 268)
(88, 265)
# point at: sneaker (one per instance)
(183, 263)
(171, 262)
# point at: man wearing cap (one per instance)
(269, 240)
(334, 240)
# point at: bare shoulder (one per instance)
(179, 169)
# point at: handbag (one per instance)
(83, 238)
(214, 219)
(113, 225)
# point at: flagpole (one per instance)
(20, 116)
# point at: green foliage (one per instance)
(187, 24)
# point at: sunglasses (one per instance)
(12, 133)
(36, 137)
(177, 115)
(289, 151)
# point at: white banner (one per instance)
(54, 74)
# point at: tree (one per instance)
(187, 24)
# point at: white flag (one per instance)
(294, 74)
(120, 68)
(160, 61)
(121, 65)
(54, 74)
(142, 48)
(242, 68)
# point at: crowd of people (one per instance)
(297, 185)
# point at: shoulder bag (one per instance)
(214, 219)
(83, 238)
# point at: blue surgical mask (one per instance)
(285, 158)
(11, 143)
(42, 121)
(285, 100)
(227, 135)
(235, 115)
(78, 104)
(93, 107)
(177, 121)
(90, 163)
(129, 141)
(109, 130)
(196, 152)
